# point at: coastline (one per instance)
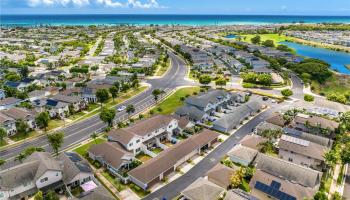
(13, 20)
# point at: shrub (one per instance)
(287, 92)
(248, 85)
(308, 97)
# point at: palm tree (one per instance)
(20, 157)
(94, 136)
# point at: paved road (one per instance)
(174, 188)
(82, 130)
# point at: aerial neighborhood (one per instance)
(182, 112)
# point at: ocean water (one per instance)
(336, 59)
(115, 19)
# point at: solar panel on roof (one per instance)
(269, 190)
(275, 185)
(295, 140)
(73, 157)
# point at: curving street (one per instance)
(80, 131)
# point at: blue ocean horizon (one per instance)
(161, 19)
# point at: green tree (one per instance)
(94, 136)
(102, 96)
(20, 157)
(56, 140)
(345, 121)
(268, 43)
(51, 195)
(156, 93)
(2, 162)
(24, 71)
(287, 92)
(320, 195)
(39, 196)
(42, 120)
(308, 97)
(107, 116)
(220, 82)
(256, 39)
(283, 47)
(114, 92)
(30, 150)
(22, 127)
(265, 79)
(331, 157)
(204, 79)
(130, 109)
(3, 133)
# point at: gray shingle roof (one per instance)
(202, 189)
(288, 171)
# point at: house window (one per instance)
(137, 141)
(290, 159)
(57, 174)
(44, 180)
(170, 126)
(130, 144)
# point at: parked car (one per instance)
(265, 98)
(122, 108)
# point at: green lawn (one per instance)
(82, 150)
(275, 37)
(157, 150)
(117, 184)
(339, 84)
(163, 68)
(55, 123)
(143, 157)
(3, 143)
(22, 136)
(170, 104)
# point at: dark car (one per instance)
(265, 98)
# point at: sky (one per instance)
(227, 7)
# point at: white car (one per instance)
(121, 108)
(273, 101)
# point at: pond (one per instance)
(336, 59)
(231, 36)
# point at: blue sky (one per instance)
(234, 7)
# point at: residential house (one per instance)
(41, 171)
(9, 102)
(21, 114)
(263, 126)
(203, 189)
(242, 155)
(302, 152)
(279, 179)
(236, 116)
(168, 160)
(145, 134)
(327, 142)
(37, 94)
(2, 94)
(111, 155)
(314, 124)
(221, 175)
(8, 123)
(238, 194)
(252, 141)
(77, 103)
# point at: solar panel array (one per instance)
(295, 140)
(272, 191)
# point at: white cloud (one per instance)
(35, 3)
(143, 4)
(130, 3)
